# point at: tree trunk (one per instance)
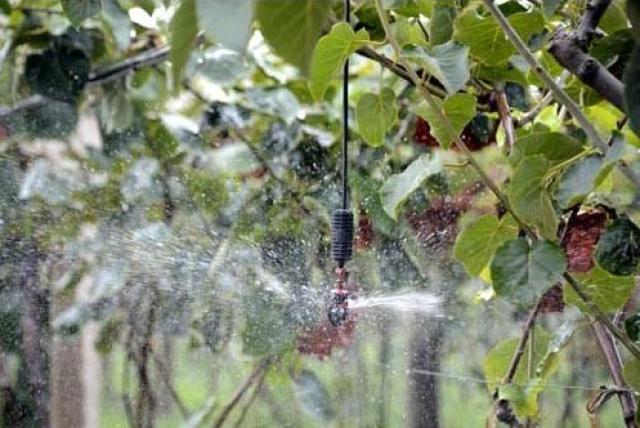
(424, 356)
(35, 335)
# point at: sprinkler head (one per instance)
(338, 309)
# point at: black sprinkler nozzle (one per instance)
(338, 309)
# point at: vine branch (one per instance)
(517, 356)
(253, 378)
(614, 364)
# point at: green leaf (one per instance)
(524, 395)
(458, 108)
(529, 197)
(554, 146)
(441, 25)
(375, 115)
(330, 54)
(632, 90)
(79, 10)
(486, 39)
(614, 18)
(608, 292)
(277, 19)
(407, 33)
(477, 243)
(618, 249)
(184, 30)
(397, 188)
(522, 272)
(449, 63)
(578, 181)
(227, 22)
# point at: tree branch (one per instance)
(566, 48)
(570, 50)
(593, 14)
(614, 364)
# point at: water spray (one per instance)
(342, 219)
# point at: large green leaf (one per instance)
(608, 292)
(578, 181)
(618, 249)
(523, 392)
(397, 188)
(529, 197)
(449, 63)
(375, 115)
(184, 30)
(79, 10)
(477, 242)
(522, 272)
(280, 19)
(486, 39)
(227, 22)
(330, 54)
(458, 108)
(554, 146)
(632, 90)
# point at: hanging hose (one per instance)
(342, 219)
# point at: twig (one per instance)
(601, 316)
(147, 58)
(545, 101)
(504, 111)
(166, 379)
(252, 399)
(614, 364)
(398, 69)
(522, 343)
(228, 408)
